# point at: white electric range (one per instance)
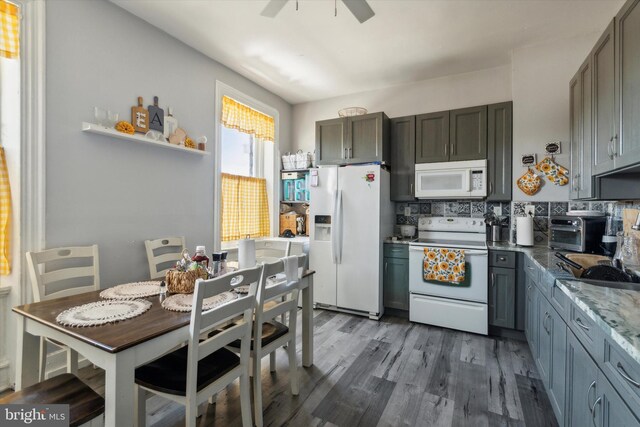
(461, 306)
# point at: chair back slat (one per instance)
(223, 313)
(218, 341)
(278, 309)
(162, 251)
(49, 270)
(284, 291)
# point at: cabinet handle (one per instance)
(593, 410)
(345, 156)
(544, 322)
(609, 148)
(411, 189)
(350, 152)
(446, 150)
(493, 280)
(626, 376)
(614, 151)
(501, 258)
(578, 322)
(385, 266)
(589, 393)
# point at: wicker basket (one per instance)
(184, 282)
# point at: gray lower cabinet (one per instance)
(531, 313)
(612, 411)
(502, 297)
(499, 149)
(582, 385)
(432, 137)
(403, 158)
(468, 133)
(396, 276)
(551, 357)
(358, 139)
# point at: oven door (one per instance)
(443, 183)
(475, 285)
(569, 238)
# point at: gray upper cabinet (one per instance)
(581, 133)
(626, 148)
(402, 158)
(604, 122)
(357, 139)
(331, 138)
(468, 133)
(499, 149)
(432, 137)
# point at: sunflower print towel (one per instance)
(444, 265)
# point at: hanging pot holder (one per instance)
(554, 172)
(529, 183)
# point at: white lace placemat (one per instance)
(133, 290)
(102, 312)
(183, 302)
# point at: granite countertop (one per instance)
(400, 241)
(616, 311)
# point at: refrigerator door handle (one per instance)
(334, 229)
(339, 228)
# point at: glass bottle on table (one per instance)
(200, 257)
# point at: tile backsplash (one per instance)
(476, 209)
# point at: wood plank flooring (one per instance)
(386, 373)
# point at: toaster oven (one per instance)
(576, 233)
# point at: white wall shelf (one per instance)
(101, 130)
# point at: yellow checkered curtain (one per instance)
(9, 30)
(245, 119)
(245, 208)
(5, 217)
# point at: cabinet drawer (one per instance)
(392, 250)
(503, 259)
(624, 374)
(559, 300)
(587, 332)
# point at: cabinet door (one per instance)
(396, 283)
(557, 367)
(502, 297)
(611, 409)
(575, 126)
(627, 147)
(403, 158)
(499, 146)
(364, 138)
(531, 325)
(468, 133)
(582, 384)
(331, 142)
(604, 123)
(545, 335)
(432, 137)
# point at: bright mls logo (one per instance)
(34, 415)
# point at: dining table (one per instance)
(120, 347)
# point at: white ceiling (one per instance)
(309, 54)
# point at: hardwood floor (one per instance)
(386, 373)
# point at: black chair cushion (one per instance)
(169, 373)
(271, 331)
(84, 403)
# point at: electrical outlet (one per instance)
(497, 210)
(407, 211)
(530, 210)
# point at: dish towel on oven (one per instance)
(444, 265)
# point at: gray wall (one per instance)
(117, 193)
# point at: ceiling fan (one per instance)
(360, 9)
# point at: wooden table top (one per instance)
(112, 337)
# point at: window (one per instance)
(244, 133)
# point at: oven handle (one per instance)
(466, 251)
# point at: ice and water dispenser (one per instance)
(322, 224)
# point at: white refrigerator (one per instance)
(350, 215)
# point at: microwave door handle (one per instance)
(467, 180)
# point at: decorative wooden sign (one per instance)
(140, 117)
(156, 116)
(528, 160)
(553, 148)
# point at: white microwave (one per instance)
(452, 180)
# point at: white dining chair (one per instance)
(193, 373)
(62, 272)
(162, 254)
(269, 334)
(272, 249)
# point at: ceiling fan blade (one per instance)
(273, 8)
(360, 9)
